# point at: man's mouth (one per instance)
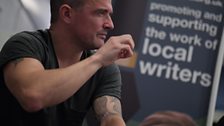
(102, 35)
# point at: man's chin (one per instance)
(98, 45)
(101, 42)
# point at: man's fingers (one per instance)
(127, 45)
(127, 39)
(125, 52)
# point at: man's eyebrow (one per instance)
(104, 10)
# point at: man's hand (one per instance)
(168, 118)
(115, 48)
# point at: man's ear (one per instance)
(65, 13)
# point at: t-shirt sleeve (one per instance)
(19, 46)
(109, 82)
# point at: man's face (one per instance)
(91, 23)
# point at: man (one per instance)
(52, 77)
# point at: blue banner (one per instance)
(177, 55)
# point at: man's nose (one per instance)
(108, 24)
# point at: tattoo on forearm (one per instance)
(16, 61)
(101, 108)
(116, 106)
(107, 106)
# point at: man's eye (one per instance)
(101, 12)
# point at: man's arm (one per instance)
(36, 88)
(108, 111)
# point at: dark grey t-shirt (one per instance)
(38, 45)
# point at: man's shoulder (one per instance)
(38, 37)
(39, 34)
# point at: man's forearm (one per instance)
(113, 120)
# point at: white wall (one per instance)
(16, 16)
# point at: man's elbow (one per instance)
(31, 102)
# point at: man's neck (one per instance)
(66, 50)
